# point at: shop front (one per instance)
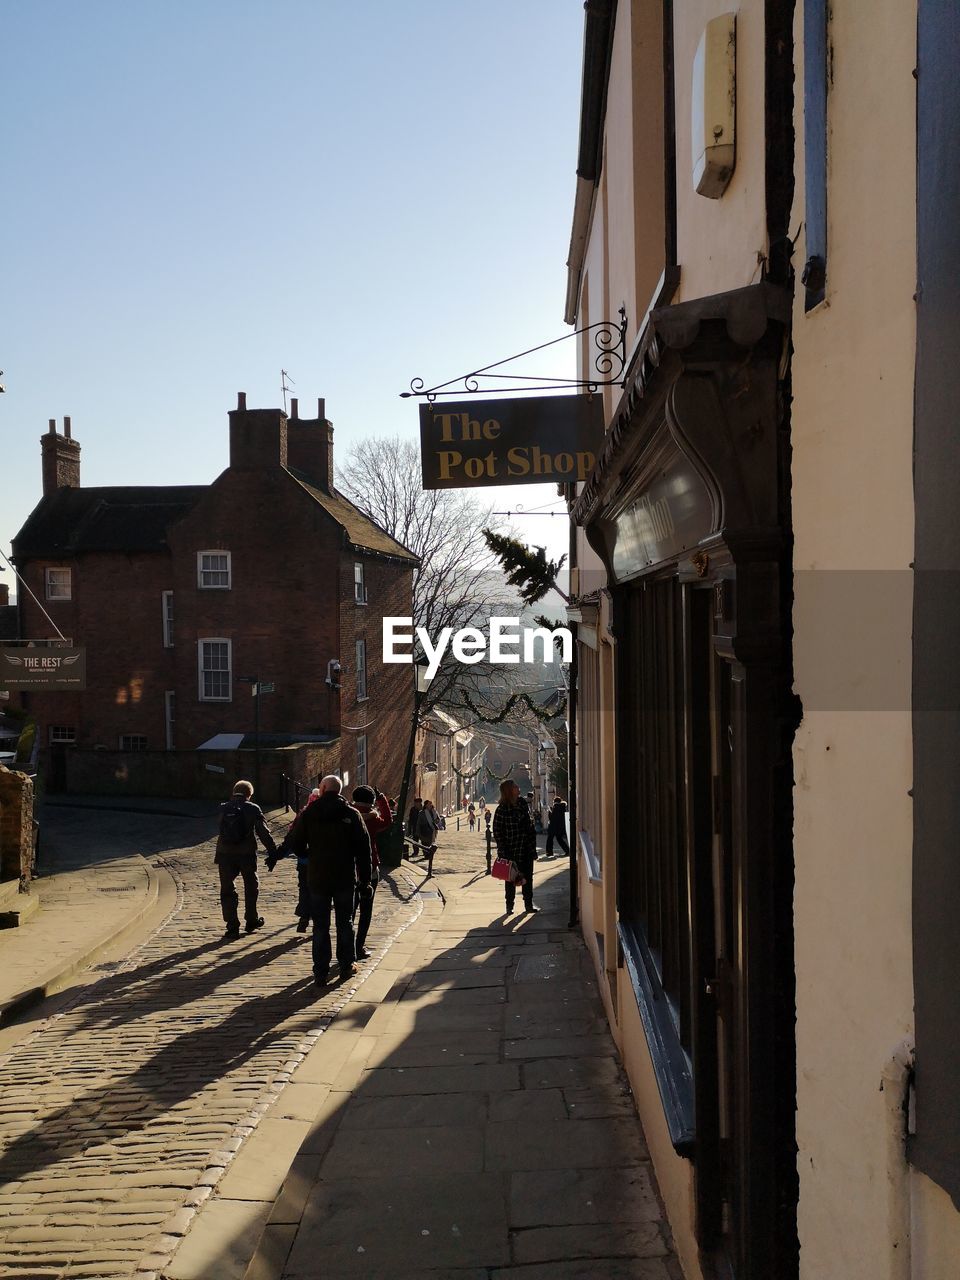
(688, 509)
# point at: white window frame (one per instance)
(361, 760)
(362, 671)
(359, 583)
(169, 718)
(49, 585)
(62, 733)
(208, 569)
(201, 697)
(126, 738)
(166, 614)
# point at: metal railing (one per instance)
(293, 793)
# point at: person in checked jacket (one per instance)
(516, 838)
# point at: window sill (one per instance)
(670, 1062)
(202, 587)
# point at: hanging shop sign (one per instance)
(472, 444)
(43, 669)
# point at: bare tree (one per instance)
(459, 582)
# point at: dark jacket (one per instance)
(557, 825)
(412, 819)
(427, 826)
(334, 838)
(514, 832)
(377, 818)
(247, 847)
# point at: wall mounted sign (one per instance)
(471, 444)
(43, 669)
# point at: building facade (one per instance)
(188, 598)
(748, 732)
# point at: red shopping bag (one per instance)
(504, 869)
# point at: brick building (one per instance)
(179, 593)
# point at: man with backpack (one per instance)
(241, 822)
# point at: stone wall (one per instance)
(16, 824)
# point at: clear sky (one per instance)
(198, 194)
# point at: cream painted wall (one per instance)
(718, 240)
(618, 171)
(853, 511)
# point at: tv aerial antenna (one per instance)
(284, 379)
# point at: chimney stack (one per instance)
(258, 437)
(60, 459)
(310, 448)
(294, 408)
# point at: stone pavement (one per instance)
(121, 1111)
(94, 886)
(472, 1119)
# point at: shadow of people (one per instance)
(185, 1066)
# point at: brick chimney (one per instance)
(258, 437)
(310, 446)
(61, 459)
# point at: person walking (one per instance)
(428, 824)
(472, 815)
(335, 840)
(413, 817)
(557, 828)
(374, 809)
(241, 824)
(302, 911)
(516, 839)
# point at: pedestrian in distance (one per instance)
(428, 824)
(332, 835)
(557, 827)
(241, 824)
(413, 817)
(516, 838)
(303, 889)
(374, 809)
(472, 816)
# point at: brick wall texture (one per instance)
(290, 610)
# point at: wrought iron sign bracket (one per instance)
(609, 364)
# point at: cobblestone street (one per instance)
(121, 1111)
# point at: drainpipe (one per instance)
(896, 1085)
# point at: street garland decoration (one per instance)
(463, 775)
(542, 714)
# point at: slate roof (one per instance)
(135, 518)
(128, 518)
(362, 532)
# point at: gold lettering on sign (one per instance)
(466, 428)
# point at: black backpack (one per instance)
(234, 824)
